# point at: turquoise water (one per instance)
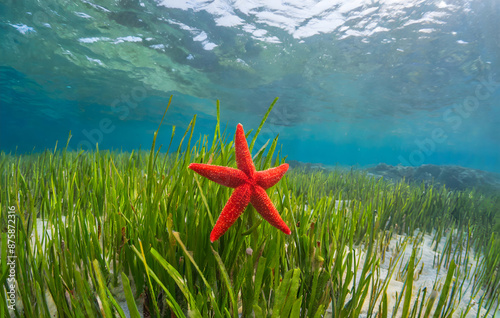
(359, 82)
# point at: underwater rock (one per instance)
(453, 177)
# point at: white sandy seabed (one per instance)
(425, 273)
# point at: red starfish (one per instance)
(249, 187)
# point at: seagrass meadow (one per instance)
(115, 234)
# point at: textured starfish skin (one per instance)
(250, 187)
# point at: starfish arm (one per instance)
(243, 157)
(262, 203)
(225, 176)
(270, 177)
(231, 211)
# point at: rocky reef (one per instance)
(453, 177)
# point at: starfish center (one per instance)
(252, 182)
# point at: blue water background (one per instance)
(399, 96)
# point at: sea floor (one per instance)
(427, 272)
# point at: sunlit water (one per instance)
(360, 82)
